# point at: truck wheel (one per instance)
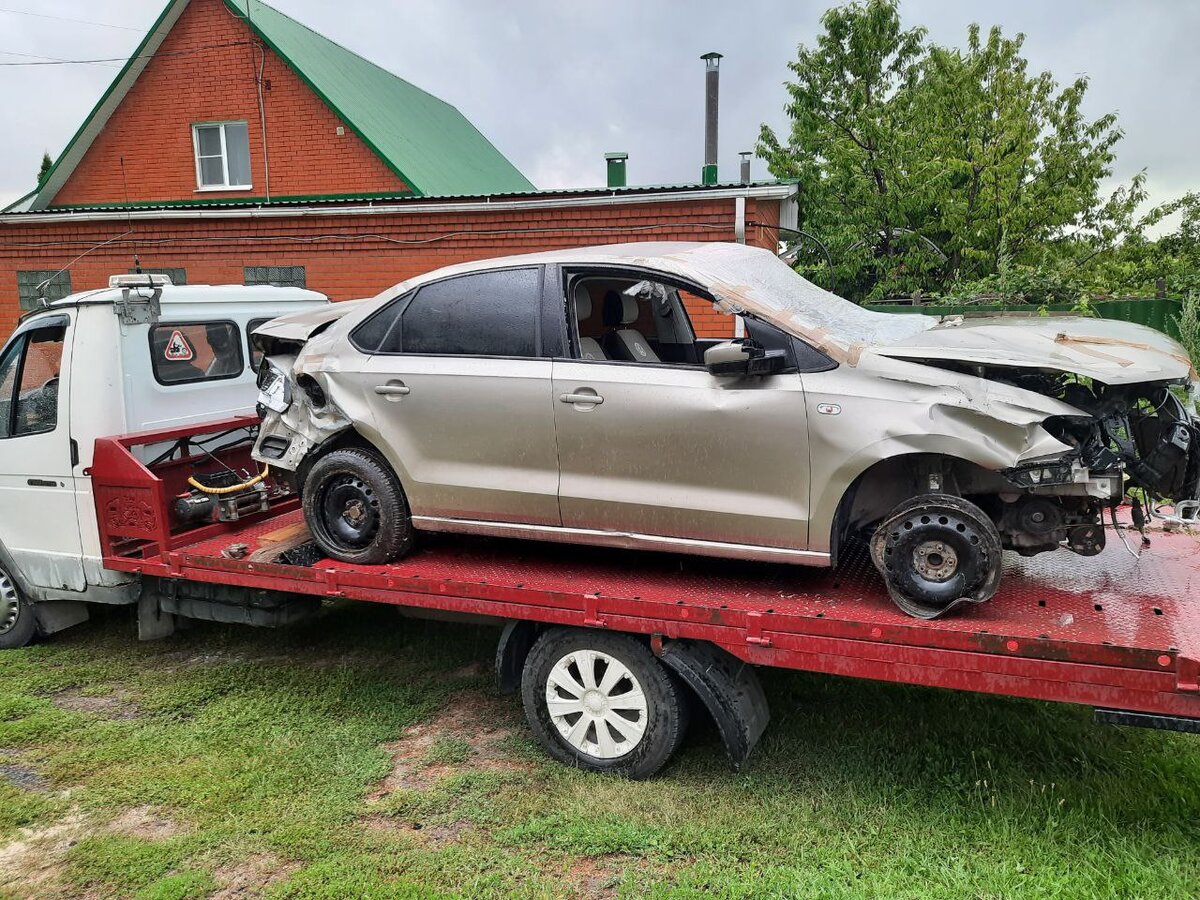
(935, 552)
(18, 624)
(602, 702)
(355, 508)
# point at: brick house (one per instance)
(239, 146)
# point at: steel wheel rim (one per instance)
(10, 603)
(597, 704)
(351, 511)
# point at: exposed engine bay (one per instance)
(1142, 436)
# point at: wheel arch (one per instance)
(887, 481)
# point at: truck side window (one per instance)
(29, 375)
(187, 352)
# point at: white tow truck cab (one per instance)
(138, 355)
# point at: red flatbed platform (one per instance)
(1113, 632)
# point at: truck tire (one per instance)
(18, 625)
(935, 552)
(356, 509)
(602, 702)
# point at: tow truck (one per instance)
(126, 478)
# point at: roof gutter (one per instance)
(415, 206)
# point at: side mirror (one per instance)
(743, 358)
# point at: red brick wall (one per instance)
(352, 255)
(152, 129)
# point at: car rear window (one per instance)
(187, 352)
(483, 314)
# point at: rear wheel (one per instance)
(603, 702)
(935, 552)
(355, 508)
(17, 622)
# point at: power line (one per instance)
(37, 56)
(25, 12)
(121, 59)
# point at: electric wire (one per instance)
(37, 15)
(120, 59)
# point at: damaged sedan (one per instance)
(566, 396)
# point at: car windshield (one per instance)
(746, 280)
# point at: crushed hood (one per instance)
(300, 326)
(1109, 351)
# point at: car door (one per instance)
(39, 529)
(459, 392)
(668, 450)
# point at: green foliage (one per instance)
(1188, 322)
(924, 167)
(44, 170)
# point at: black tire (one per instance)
(356, 509)
(18, 624)
(936, 552)
(664, 720)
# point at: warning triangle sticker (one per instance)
(178, 349)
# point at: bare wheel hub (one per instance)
(935, 560)
(10, 603)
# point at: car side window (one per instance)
(29, 377)
(188, 352)
(482, 314)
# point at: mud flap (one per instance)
(515, 641)
(152, 622)
(729, 689)
(55, 615)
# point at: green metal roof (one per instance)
(426, 141)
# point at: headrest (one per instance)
(583, 302)
(619, 309)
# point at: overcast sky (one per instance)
(557, 83)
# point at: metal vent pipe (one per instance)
(712, 84)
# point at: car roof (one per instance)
(677, 257)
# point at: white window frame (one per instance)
(200, 185)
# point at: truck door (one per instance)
(39, 529)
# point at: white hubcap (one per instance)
(596, 704)
(10, 603)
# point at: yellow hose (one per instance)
(233, 488)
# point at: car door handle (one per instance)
(590, 399)
(392, 390)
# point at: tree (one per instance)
(922, 165)
(848, 131)
(47, 165)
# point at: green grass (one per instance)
(262, 757)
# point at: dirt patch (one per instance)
(250, 878)
(116, 705)
(431, 835)
(31, 864)
(472, 722)
(143, 822)
(23, 777)
(599, 877)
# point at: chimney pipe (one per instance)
(712, 81)
(745, 173)
(616, 169)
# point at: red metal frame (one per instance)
(1111, 631)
